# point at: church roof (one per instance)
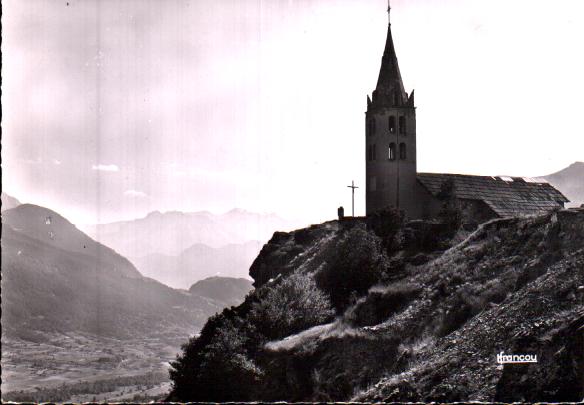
(506, 196)
(389, 74)
(390, 91)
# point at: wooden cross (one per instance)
(353, 187)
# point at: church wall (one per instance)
(427, 206)
(475, 212)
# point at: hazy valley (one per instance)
(80, 321)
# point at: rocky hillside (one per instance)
(377, 310)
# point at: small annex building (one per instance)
(489, 197)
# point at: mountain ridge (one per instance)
(50, 227)
(46, 259)
(172, 232)
(570, 181)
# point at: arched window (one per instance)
(402, 151)
(371, 128)
(402, 125)
(391, 151)
(369, 153)
(374, 152)
(391, 124)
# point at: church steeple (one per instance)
(390, 140)
(389, 91)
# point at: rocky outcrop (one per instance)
(287, 251)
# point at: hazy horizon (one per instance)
(143, 216)
(117, 109)
(84, 226)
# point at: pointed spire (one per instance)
(390, 89)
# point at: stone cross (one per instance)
(353, 187)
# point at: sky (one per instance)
(112, 109)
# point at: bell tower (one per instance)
(390, 140)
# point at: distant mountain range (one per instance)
(171, 233)
(570, 181)
(57, 279)
(199, 262)
(179, 248)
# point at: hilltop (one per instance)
(380, 310)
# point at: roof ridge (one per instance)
(506, 197)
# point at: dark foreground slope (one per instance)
(373, 310)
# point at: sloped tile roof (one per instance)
(507, 196)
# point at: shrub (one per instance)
(358, 263)
(216, 365)
(386, 224)
(291, 306)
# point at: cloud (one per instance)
(135, 193)
(56, 162)
(106, 168)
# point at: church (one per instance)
(392, 179)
